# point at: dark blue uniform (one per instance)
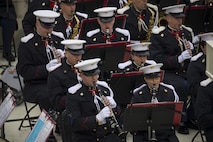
(75, 24)
(80, 103)
(31, 66)
(165, 49)
(9, 25)
(148, 16)
(165, 93)
(96, 36)
(204, 109)
(29, 20)
(58, 83)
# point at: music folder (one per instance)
(42, 128)
(162, 115)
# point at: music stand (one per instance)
(92, 24)
(148, 116)
(110, 53)
(122, 85)
(205, 15)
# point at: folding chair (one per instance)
(28, 109)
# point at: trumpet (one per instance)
(113, 121)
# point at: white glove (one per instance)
(61, 53)
(111, 101)
(184, 55)
(191, 45)
(104, 113)
(53, 64)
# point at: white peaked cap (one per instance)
(175, 9)
(88, 65)
(139, 46)
(106, 11)
(151, 68)
(206, 36)
(46, 16)
(73, 44)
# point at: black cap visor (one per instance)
(178, 15)
(76, 52)
(47, 25)
(141, 53)
(91, 72)
(69, 1)
(152, 75)
(106, 19)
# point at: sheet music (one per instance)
(42, 128)
(6, 108)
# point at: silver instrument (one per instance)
(113, 121)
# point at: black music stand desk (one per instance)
(110, 54)
(122, 85)
(152, 116)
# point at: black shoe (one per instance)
(9, 57)
(192, 124)
(183, 129)
(51, 138)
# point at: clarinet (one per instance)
(113, 121)
(153, 91)
(107, 36)
(53, 48)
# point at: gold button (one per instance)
(43, 4)
(165, 90)
(162, 35)
(140, 92)
(81, 94)
(65, 71)
(97, 139)
(36, 44)
(105, 128)
(94, 39)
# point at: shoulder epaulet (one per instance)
(157, 30)
(151, 62)
(91, 33)
(124, 32)
(195, 57)
(104, 84)
(124, 65)
(122, 10)
(58, 34)
(173, 89)
(190, 30)
(26, 38)
(152, 6)
(74, 88)
(140, 87)
(84, 15)
(156, 12)
(204, 83)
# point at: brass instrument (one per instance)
(75, 28)
(113, 121)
